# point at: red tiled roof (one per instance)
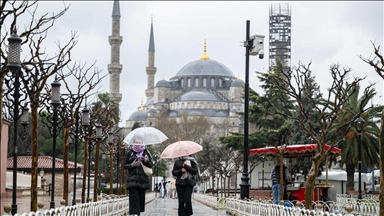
(43, 162)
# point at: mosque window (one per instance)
(220, 83)
(212, 82)
(182, 83)
(189, 82)
(196, 82)
(204, 82)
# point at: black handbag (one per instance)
(191, 181)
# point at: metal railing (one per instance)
(344, 206)
(106, 206)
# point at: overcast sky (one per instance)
(322, 33)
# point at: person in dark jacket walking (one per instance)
(275, 176)
(184, 190)
(138, 181)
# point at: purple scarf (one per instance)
(139, 149)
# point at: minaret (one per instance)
(115, 67)
(151, 69)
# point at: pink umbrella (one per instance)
(181, 148)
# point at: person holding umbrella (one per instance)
(184, 167)
(138, 181)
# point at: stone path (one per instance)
(168, 207)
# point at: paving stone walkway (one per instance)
(168, 207)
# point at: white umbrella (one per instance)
(148, 135)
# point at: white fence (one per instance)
(349, 207)
(109, 205)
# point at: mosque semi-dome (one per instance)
(199, 95)
(163, 83)
(140, 115)
(237, 83)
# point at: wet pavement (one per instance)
(168, 206)
(24, 203)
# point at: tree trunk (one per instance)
(229, 186)
(310, 184)
(350, 176)
(65, 158)
(96, 176)
(381, 164)
(85, 168)
(35, 156)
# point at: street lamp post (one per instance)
(55, 102)
(103, 157)
(85, 122)
(251, 48)
(14, 65)
(111, 147)
(262, 174)
(359, 127)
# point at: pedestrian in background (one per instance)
(275, 176)
(173, 188)
(162, 188)
(182, 166)
(168, 189)
(138, 181)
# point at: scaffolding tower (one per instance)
(280, 35)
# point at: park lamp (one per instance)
(85, 117)
(25, 117)
(110, 137)
(70, 141)
(103, 156)
(359, 124)
(14, 50)
(99, 128)
(55, 94)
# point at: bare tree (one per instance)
(294, 83)
(377, 62)
(38, 67)
(71, 104)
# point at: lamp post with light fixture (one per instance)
(359, 128)
(253, 46)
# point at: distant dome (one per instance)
(233, 110)
(153, 110)
(199, 95)
(237, 83)
(222, 113)
(204, 67)
(163, 83)
(149, 102)
(139, 115)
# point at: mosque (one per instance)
(202, 87)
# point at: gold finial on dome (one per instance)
(163, 77)
(238, 76)
(205, 56)
(141, 105)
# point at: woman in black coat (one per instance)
(138, 181)
(184, 191)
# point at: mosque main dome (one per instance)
(207, 67)
(204, 67)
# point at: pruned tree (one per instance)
(80, 76)
(294, 83)
(377, 62)
(37, 67)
